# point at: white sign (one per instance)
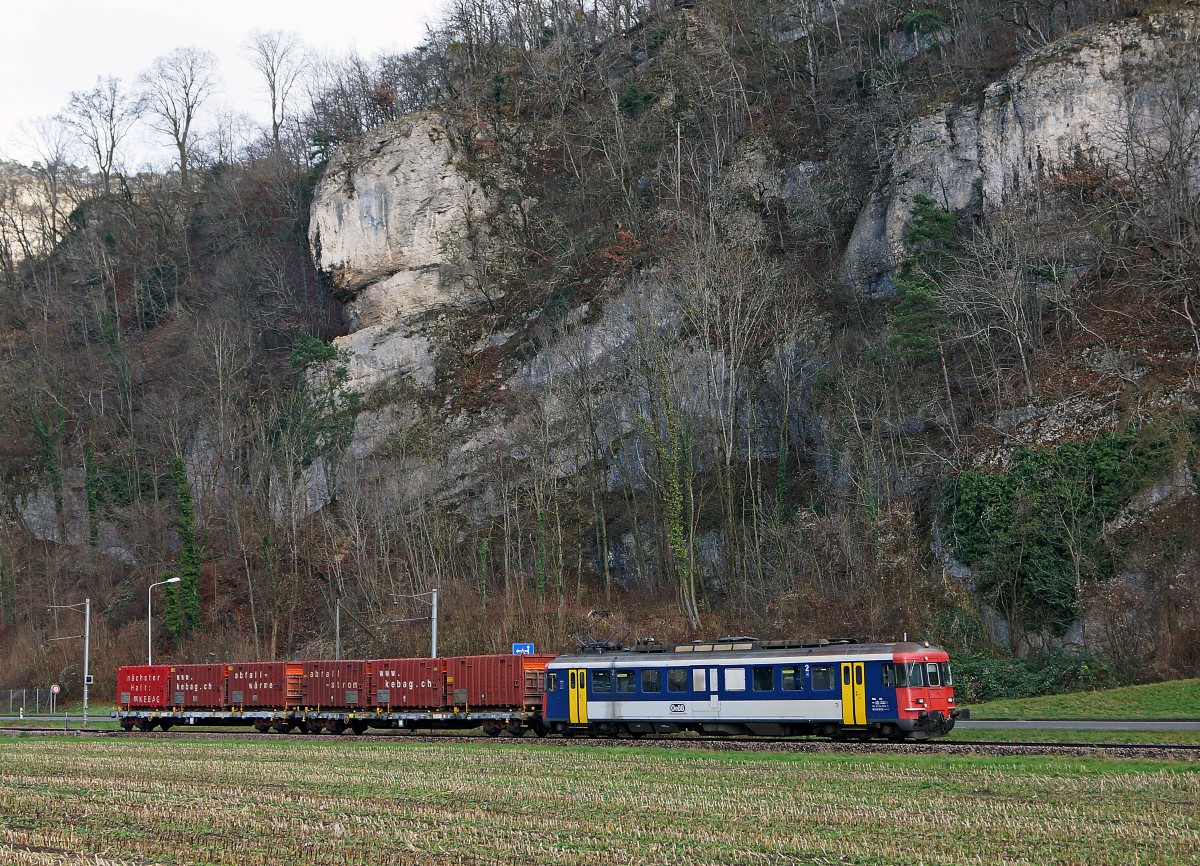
(55, 689)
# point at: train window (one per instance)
(947, 679)
(626, 681)
(551, 682)
(698, 680)
(793, 679)
(822, 677)
(735, 679)
(677, 680)
(601, 681)
(914, 674)
(573, 685)
(651, 681)
(764, 679)
(889, 675)
(934, 674)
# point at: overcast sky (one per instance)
(52, 47)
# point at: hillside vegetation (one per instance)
(733, 343)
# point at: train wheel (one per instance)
(515, 729)
(313, 727)
(145, 725)
(126, 725)
(262, 727)
(891, 732)
(540, 729)
(282, 727)
(492, 729)
(337, 727)
(166, 726)
(359, 728)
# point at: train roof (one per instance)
(647, 650)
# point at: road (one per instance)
(1046, 725)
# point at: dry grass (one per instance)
(324, 802)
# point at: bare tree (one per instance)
(725, 293)
(100, 119)
(1012, 273)
(56, 189)
(174, 88)
(281, 59)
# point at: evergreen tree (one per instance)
(918, 320)
(183, 598)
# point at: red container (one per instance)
(407, 684)
(143, 686)
(198, 686)
(535, 677)
(257, 684)
(491, 681)
(336, 684)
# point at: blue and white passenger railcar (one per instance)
(744, 686)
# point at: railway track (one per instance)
(1155, 751)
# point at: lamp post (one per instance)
(150, 619)
(87, 640)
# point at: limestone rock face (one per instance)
(1072, 100)
(394, 220)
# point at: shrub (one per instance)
(984, 678)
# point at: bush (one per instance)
(922, 21)
(1034, 533)
(984, 678)
(634, 99)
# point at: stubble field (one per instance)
(125, 801)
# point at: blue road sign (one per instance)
(522, 649)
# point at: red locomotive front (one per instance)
(925, 690)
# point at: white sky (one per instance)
(49, 48)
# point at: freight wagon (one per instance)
(497, 692)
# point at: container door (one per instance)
(577, 683)
(295, 685)
(854, 694)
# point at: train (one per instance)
(734, 686)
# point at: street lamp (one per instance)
(150, 620)
(87, 640)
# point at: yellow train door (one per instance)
(854, 693)
(577, 682)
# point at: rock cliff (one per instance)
(394, 219)
(1082, 99)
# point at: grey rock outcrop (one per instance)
(1072, 101)
(39, 514)
(395, 221)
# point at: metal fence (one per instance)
(28, 701)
